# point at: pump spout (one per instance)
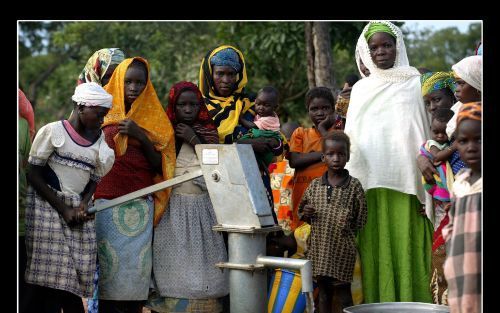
(305, 267)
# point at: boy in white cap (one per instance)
(66, 161)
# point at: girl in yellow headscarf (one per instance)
(139, 131)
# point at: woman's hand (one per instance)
(436, 163)
(326, 124)
(447, 207)
(422, 211)
(82, 211)
(72, 216)
(261, 145)
(247, 124)
(184, 132)
(346, 92)
(130, 128)
(309, 211)
(426, 168)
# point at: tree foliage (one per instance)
(439, 50)
(53, 54)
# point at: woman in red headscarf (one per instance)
(185, 231)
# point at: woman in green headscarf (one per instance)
(387, 123)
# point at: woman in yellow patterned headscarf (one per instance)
(139, 131)
(437, 90)
(223, 78)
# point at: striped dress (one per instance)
(462, 267)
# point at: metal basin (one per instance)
(398, 307)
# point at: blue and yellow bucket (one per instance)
(285, 294)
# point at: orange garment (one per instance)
(148, 113)
(282, 187)
(304, 140)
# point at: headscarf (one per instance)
(393, 98)
(226, 57)
(203, 126)
(470, 111)
(92, 94)
(148, 113)
(225, 111)
(26, 111)
(378, 28)
(432, 81)
(470, 69)
(357, 56)
(98, 64)
(401, 71)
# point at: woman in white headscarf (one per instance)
(387, 123)
(66, 161)
(468, 74)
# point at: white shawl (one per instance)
(387, 122)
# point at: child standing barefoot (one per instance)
(335, 206)
(66, 161)
(462, 268)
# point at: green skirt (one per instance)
(395, 247)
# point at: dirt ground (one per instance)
(144, 310)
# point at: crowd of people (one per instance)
(382, 193)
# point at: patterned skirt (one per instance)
(59, 256)
(186, 250)
(439, 286)
(124, 235)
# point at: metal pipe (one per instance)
(247, 289)
(146, 191)
(305, 267)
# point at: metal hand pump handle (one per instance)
(146, 191)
